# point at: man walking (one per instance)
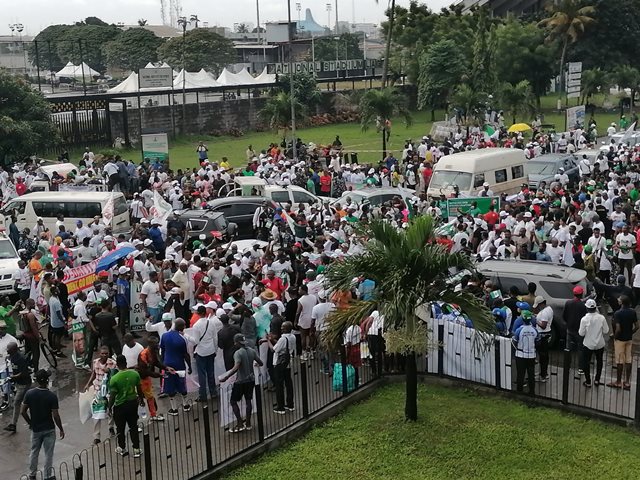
(593, 328)
(125, 396)
(21, 379)
(173, 346)
(283, 350)
(544, 318)
(205, 338)
(245, 382)
(524, 341)
(40, 410)
(625, 324)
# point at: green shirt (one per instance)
(123, 386)
(8, 319)
(634, 194)
(248, 173)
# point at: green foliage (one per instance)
(469, 102)
(345, 47)
(305, 89)
(383, 104)
(48, 41)
(517, 100)
(482, 64)
(93, 21)
(133, 49)
(25, 121)
(521, 54)
(84, 43)
(442, 66)
(203, 48)
(462, 435)
(594, 81)
(277, 111)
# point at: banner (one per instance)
(80, 278)
(575, 117)
(155, 146)
(461, 206)
(161, 209)
(107, 211)
(137, 319)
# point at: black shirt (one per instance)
(20, 366)
(104, 323)
(225, 342)
(41, 402)
(627, 319)
(275, 327)
(574, 310)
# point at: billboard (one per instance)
(155, 77)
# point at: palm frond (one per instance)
(339, 320)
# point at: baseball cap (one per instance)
(538, 300)
(227, 306)
(213, 305)
(578, 290)
(167, 317)
(239, 339)
(123, 270)
(523, 306)
(591, 303)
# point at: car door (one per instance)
(244, 219)
(302, 197)
(571, 169)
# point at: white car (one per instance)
(375, 195)
(244, 245)
(9, 259)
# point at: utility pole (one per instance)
(183, 22)
(291, 89)
(84, 83)
(337, 31)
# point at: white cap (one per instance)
(237, 256)
(136, 253)
(212, 305)
(108, 238)
(527, 215)
(167, 317)
(184, 262)
(591, 303)
(227, 306)
(196, 306)
(136, 242)
(176, 244)
(147, 242)
(322, 294)
(371, 171)
(485, 184)
(123, 270)
(175, 291)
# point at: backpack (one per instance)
(284, 358)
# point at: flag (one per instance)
(107, 211)
(567, 257)
(290, 221)
(161, 209)
(628, 134)
(489, 132)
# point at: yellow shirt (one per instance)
(225, 165)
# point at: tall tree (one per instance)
(517, 99)
(344, 47)
(133, 49)
(567, 20)
(410, 270)
(391, 12)
(203, 48)
(305, 89)
(627, 77)
(47, 42)
(85, 43)
(594, 81)
(521, 54)
(26, 127)
(277, 111)
(482, 64)
(442, 66)
(379, 106)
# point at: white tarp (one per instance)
(227, 78)
(245, 77)
(194, 80)
(76, 71)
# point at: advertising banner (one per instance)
(461, 206)
(80, 278)
(155, 146)
(136, 315)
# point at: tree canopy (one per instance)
(133, 49)
(25, 121)
(203, 48)
(344, 47)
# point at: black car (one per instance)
(206, 222)
(240, 210)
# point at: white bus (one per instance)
(73, 206)
(501, 168)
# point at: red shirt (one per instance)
(325, 183)
(491, 218)
(275, 285)
(21, 188)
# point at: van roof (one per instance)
(75, 196)
(489, 157)
(531, 268)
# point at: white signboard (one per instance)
(155, 77)
(575, 116)
(575, 67)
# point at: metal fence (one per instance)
(452, 355)
(193, 442)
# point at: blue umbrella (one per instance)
(112, 258)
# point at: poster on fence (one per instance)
(136, 315)
(80, 278)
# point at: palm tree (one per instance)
(410, 270)
(277, 111)
(593, 81)
(567, 21)
(379, 106)
(517, 99)
(468, 100)
(626, 76)
(387, 49)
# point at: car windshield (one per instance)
(7, 251)
(444, 179)
(539, 168)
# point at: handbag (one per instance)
(337, 378)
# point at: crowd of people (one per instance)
(205, 301)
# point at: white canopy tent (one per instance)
(77, 71)
(194, 80)
(245, 77)
(227, 78)
(130, 85)
(265, 77)
(68, 70)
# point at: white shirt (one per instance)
(23, 278)
(4, 342)
(320, 312)
(93, 296)
(636, 276)
(627, 241)
(152, 291)
(593, 327)
(204, 335)
(286, 340)
(80, 312)
(159, 328)
(307, 302)
(544, 315)
(132, 353)
(352, 335)
(377, 324)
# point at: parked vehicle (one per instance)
(545, 167)
(205, 222)
(501, 168)
(9, 259)
(375, 195)
(239, 210)
(255, 186)
(555, 283)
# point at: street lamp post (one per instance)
(183, 22)
(299, 9)
(337, 31)
(18, 27)
(329, 16)
(291, 89)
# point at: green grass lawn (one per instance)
(459, 435)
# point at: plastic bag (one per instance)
(337, 378)
(99, 408)
(84, 405)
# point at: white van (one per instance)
(501, 168)
(73, 205)
(248, 186)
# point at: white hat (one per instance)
(123, 270)
(371, 171)
(147, 242)
(591, 303)
(144, 220)
(237, 256)
(196, 306)
(527, 215)
(184, 262)
(136, 242)
(227, 306)
(503, 213)
(108, 238)
(176, 244)
(175, 291)
(322, 294)
(212, 305)
(136, 253)
(485, 184)
(202, 236)
(167, 317)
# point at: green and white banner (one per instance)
(462, 206)
(155, 146)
